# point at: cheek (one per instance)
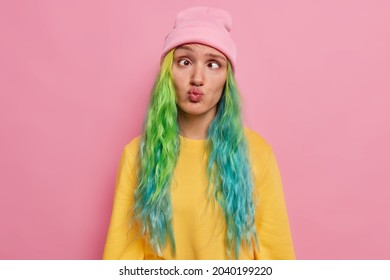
(221, 86)
(176, 86)
(179, 89)
(178, 81)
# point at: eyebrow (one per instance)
(207, 54)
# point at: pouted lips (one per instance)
(195, 95)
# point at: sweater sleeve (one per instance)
(271, 220)
(124, 240)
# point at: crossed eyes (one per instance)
(211, 64)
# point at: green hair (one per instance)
(228, 167)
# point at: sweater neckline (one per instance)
(192, 142)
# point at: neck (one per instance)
(194, 127)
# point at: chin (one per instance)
(196, 111)
(192, 112)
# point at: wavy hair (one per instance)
(228, 167)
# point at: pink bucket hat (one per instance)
(203, 25)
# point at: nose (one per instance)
(197, 78)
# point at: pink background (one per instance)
(75, 78)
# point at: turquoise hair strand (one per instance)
(229, 170)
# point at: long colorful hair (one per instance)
(228, 168)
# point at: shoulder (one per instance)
(130, 150)
(133, 144)
(256, 142)
(258, 148)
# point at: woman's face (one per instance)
(199, 74)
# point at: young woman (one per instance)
(196, 184)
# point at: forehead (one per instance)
(200, 49)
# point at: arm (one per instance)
(271, 220)
(124, 240)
